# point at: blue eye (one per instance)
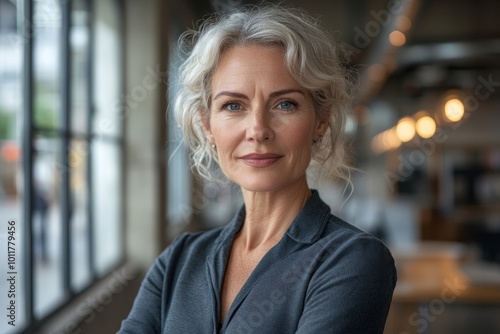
(232, 106)
(286, 105)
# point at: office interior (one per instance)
(95, 179)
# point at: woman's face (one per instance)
(262, 121)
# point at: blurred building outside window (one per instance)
(76, 145)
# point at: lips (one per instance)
(261, 159)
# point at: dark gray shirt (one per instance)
(323, 276)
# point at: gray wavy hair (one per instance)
(310, 56)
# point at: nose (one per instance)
(259, 126)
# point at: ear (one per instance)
(322, 124)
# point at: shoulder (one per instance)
(352, 249)
(354, 273)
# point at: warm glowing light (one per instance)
(397, 38)
(393, 139)
(385, 141)
(426, 127)
(454, 110)
(405, 130)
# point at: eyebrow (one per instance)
(272, 95)
(232, 94)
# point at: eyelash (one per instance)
(293, 104)
(225, 106)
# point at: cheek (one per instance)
(299, 137)
(225, 140)
(299, 142)
(223, 133)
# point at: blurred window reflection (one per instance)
(106, 188)
(108, 101)
(80, 265)
(47, 223)
(75, 184)
(47, 50)
(106, 149)
(79, 44)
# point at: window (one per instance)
(60, 150)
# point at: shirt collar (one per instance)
(306, 228)
(310, 223)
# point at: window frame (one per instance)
(66, 134)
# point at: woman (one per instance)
(263, 95)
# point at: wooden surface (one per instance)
(438, 284)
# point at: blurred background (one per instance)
(95, 178)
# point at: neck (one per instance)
(269, 214)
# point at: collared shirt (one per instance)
(323, 276)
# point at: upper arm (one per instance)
(145, 315)
(351, 291)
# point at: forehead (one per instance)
(251, 54)
(246, 66)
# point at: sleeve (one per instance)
(145, 315)
(351, 291)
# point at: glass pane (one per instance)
(80, 271)
(106, 197)
(79, 41)
(11, 198)
(179, 182)
(47, 242)
(108, 102)
(179, 178)
(47, 36)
